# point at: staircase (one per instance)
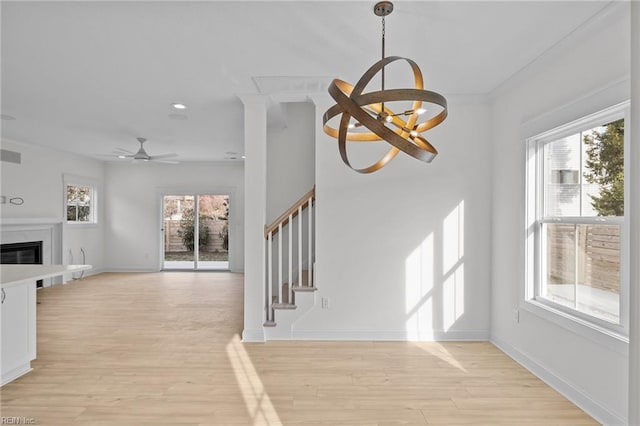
(290, 286)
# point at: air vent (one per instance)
(10, 156)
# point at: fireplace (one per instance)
(29, 252)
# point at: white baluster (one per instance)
(300, 246)
(310, 256)
(280, 263)
(289, 252)
(269, 276)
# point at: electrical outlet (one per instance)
(516, 315)
(325, 303)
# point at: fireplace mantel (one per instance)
(45, 229)
(30, 221)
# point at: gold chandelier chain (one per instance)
(383, 35)
(383, 53)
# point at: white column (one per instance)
(255, 214)
(634, 210)
(327, 157)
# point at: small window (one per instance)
(576, 211)
(80, 201)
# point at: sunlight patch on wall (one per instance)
(453, 238)
(453, 298)
(453, 266)
(256, 399)
(418, 288)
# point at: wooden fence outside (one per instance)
(598, 255)
(173, 242)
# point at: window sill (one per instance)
(600, 335)
(82, 224)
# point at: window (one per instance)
(576, 244)
(80, 201)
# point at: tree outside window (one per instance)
(79, 199)
(605, 167)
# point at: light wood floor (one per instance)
(164, 348)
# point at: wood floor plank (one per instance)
(164, 348)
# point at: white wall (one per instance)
(404, 253)
(133, 208)
(290, 159)
(634, 191)
(585, 72)
(38, 180)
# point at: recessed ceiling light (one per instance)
(178, 117)
(178, 105)
(122, 156)
(243, 157)
(7, 117)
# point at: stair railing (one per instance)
(287, 222)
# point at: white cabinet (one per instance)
(18, 339)
(18, 309)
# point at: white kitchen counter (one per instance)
(15, 274)
(18, 314)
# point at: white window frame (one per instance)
(564, 315)
(74, 180)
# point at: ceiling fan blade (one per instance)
(122, 151)
(161, 156)
(114, 157)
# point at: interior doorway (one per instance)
(191, 218)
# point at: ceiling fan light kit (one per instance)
(374, 121)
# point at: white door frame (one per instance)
(229, 191)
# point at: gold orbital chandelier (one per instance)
(373, 119)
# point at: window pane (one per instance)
(71, 213)
(179, 231)
(79, 194)
(604, 169)
(560, 276)
(84, 214)
(598, 289)
(583, 268)
(584, 173)
(562, 177)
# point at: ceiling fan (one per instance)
(142, 155)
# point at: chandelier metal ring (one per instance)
(350, 102)
(370, 111)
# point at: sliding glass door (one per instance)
(196, 232)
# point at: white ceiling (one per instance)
(89, 77)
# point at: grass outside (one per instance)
(205, 256)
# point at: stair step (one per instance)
(304, 288)
(285, 303)
(283, 306)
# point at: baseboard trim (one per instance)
(118, 269)
(569, 391)
(78, 276)
(249, 336)
(391, 335)
(20, 370)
